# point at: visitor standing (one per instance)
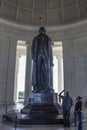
(78, 112)
(66, 106)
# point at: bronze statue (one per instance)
(41, 52)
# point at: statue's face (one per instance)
(42, 30)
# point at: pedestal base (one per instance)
(41, 105)
(41, 109)
(24, 119)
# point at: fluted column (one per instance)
(16, 79)
(28, 76)
(10, 71)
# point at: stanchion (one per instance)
(15, 125)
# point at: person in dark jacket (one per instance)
(78, 112)
(66, 106)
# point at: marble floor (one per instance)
(37, 127)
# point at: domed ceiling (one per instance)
(43, 12)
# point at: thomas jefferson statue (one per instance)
(42, 57)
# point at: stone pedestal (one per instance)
(42, 109)
(42, 98)
(42, 105)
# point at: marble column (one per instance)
(60, 74)
(4, 57)
(28, 76)
(16, 79)
(11, 71)
(8, 68)
(69, 60)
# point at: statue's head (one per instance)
(42, 30)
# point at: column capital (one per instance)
(58, 55)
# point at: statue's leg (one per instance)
(45, 73)
(39, 73)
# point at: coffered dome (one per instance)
(43, 12)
